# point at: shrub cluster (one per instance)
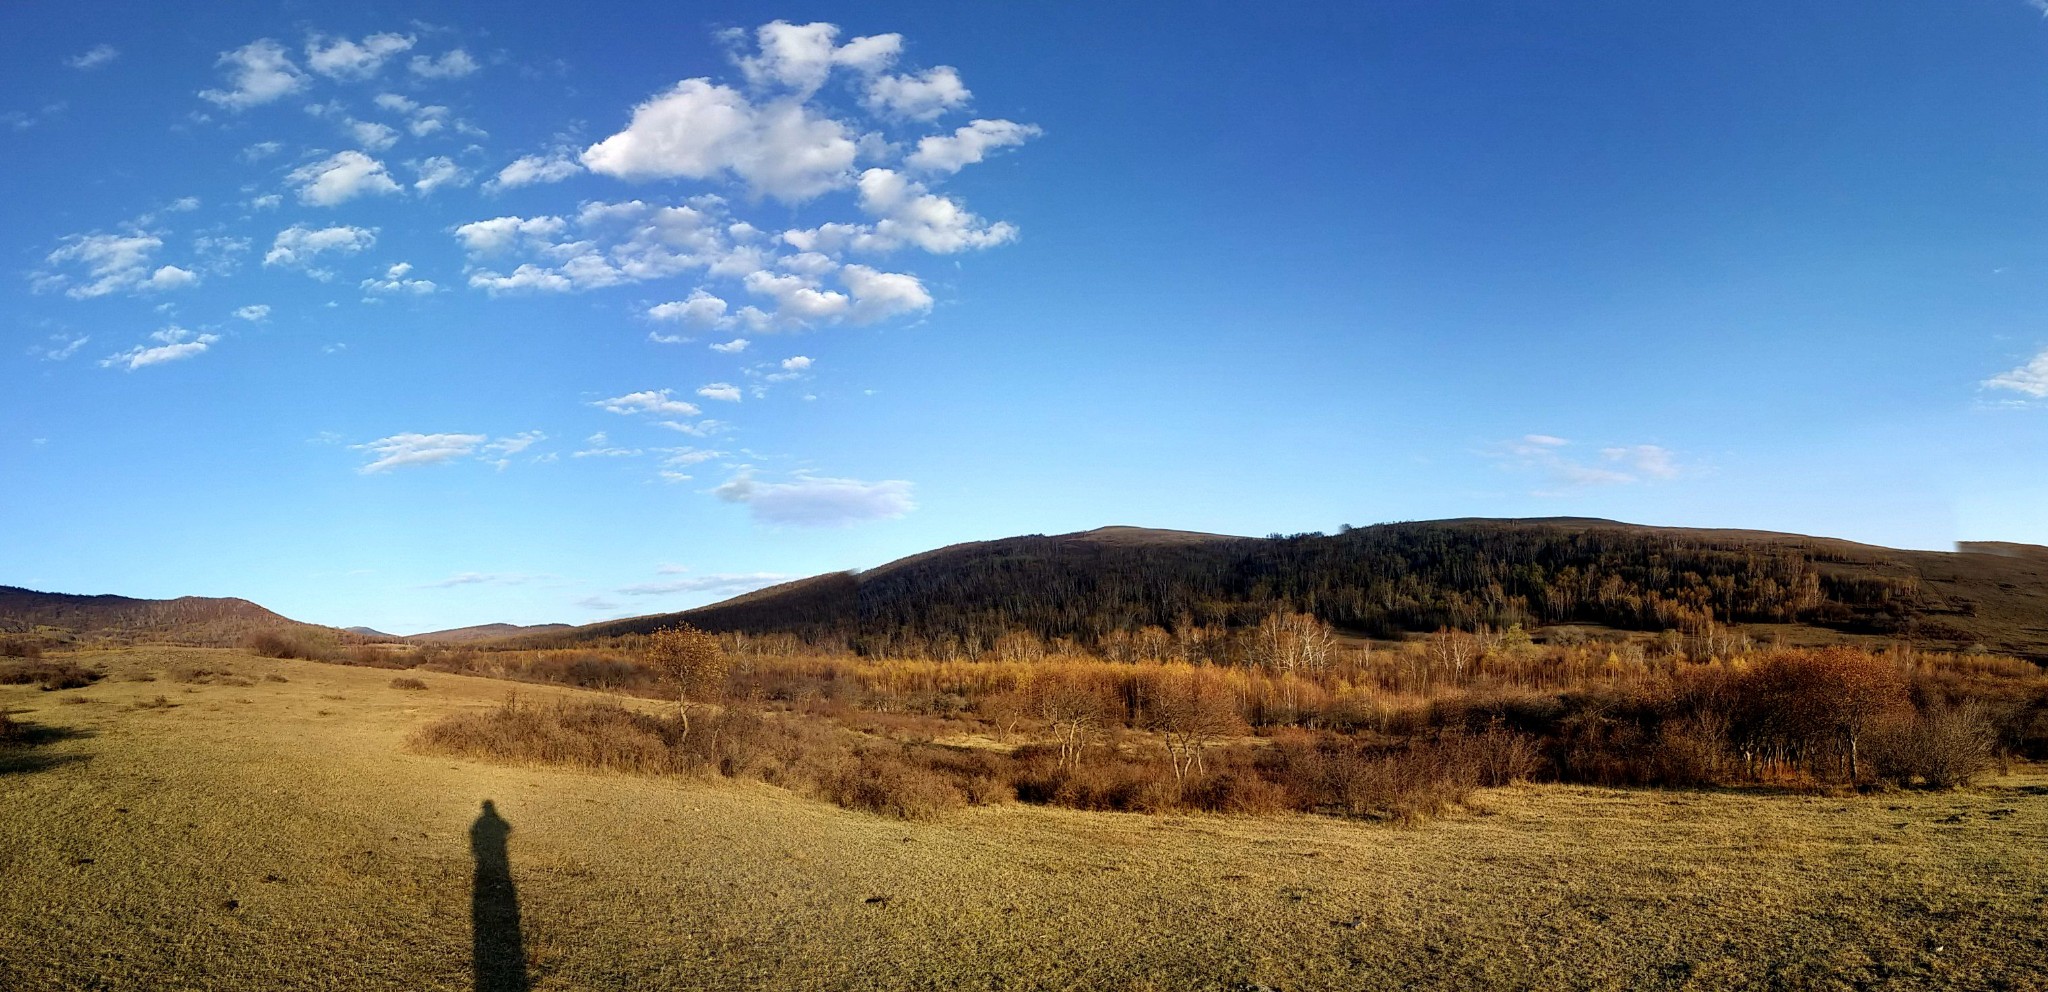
(50, 675)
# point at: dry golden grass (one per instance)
(278, 835)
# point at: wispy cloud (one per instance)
(816, 501)
(2029, 380)
(482, 579)
(94, 57)
(1560, 464)
(172, 344)
(731, 582)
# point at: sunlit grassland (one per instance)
(252, 833)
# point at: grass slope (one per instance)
(264, 834)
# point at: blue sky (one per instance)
(429, 315)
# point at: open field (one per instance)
(256, 833)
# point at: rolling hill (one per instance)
(195, 620)
(1392, 578)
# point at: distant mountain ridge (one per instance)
(482, 632)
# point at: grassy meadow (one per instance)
(264, 823)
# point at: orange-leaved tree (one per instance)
(691, 663)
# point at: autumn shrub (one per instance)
(1402, 783)
(1942, 747)
(288, 644)
(602, 736)
(406, 682)
(49, 675)
(884, 781)
(20, 647)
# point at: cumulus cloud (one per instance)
(371, 135)
(968, 145)
(732, 347)
(351, 60)
(452, 64)
(918, 97)
(2029, 380)
(94, 57)
(258, 73)
(878, 295)
(397, 280)
(341, 177)
(722, 391)
(438, 171)
(800, 363)
(730, 583)
(111, 263)
(530, 169)
(700, 309)
(700, 130)
(800, 57)
(651, 401)
(172, 344)
(299, 246)
(254, 313)
(815, 501)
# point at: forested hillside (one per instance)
(1393, 578)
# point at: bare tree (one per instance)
(1190, 710)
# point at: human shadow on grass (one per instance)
(498, 949)
(21, 743)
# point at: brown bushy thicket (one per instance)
(1395, 733)
(50, 675)
(411, 684)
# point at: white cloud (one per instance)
(732, 583)
(596, 603)
(113, 263)
(2029, 380)
(172, 343)
(937, 224)
(878, 295)
(732, 347)
(700, 130)
(797, 298)
(261, 150)
(968, 145)
(918, 97)
(800, 57)
(340, 178)
(372, 135)
(298, 246)
(800, 363)
(490, 237)
(507, 446)
(526, 278)
(94, 57)
(345, 59)
(528, 170)
(437, 172)
(701, 310)
(652, 401)
(401, 450)
(254, 312)
(722, 391)
(258, 73)
(452, 64)
(268, 201)
(395, 281)
(814, 501)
